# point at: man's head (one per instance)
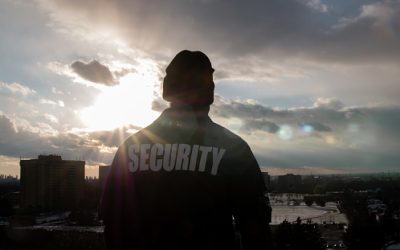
(189, 79)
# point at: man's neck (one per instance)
(200, 110)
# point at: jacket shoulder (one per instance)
(227, 137)
(141, 136)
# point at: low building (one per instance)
(289, 182)
(103, 173)
(267, 180)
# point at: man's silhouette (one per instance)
(178, 183)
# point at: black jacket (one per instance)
(178, 184)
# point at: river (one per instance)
(291, 206)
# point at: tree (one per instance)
(299, 236)
(363, 232)
(320, 202)
(308, 200)
(362, 235)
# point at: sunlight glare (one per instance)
(123, 104)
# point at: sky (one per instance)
(312, 85)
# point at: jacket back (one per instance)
(178, 183)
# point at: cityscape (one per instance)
(53, 205)
(310, 86)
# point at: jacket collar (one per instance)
(184, 114)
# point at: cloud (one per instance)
(328, 103)
(94, 72)
(244, 109)
(342, 140)
(56, 91)
(336, 48)
(61, 103)
(326, 135)
(7, 126)
(254, 46)
(51, 118)
(327, 116)
(115, 137)
(361, 36)
(311, 126)
(259, 28)
(315, 5)
(258, 124)
(16, 88)
(253, 68)
(9, 165)
(51, 102)
(29, 142)
(159, 104)
(381, 17)
(347, 160)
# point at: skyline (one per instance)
(311, 85)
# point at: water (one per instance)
(291, 206)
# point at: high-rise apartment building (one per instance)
(50, 183)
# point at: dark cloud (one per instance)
(258, 117)
(348, 160)
(326, 116)
(317, 126)
(265, 29)
(357, 139)
(244, 110)
(293, 48)
(264, 125)
(361, 37)
(94, 72)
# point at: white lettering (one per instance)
(169, 157)
(193, 158)
(156, 150)
(182, 159)
(144, 156)
(217, 156)
(203, 158)
(133, 165)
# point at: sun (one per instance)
(127, 103)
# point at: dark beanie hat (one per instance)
(188, 79)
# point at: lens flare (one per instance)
(307, 129)
(353, 128)
(285, 132)
(235, 124)
(330, 139)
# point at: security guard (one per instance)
(185, 182)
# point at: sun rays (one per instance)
(127, 103)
